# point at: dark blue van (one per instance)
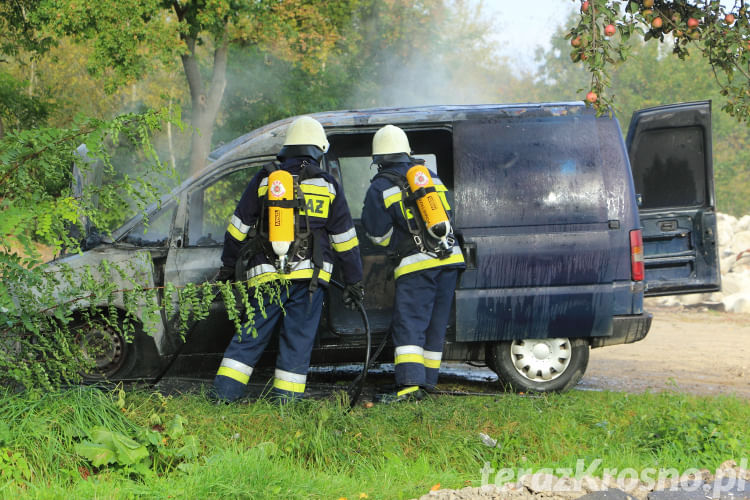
(564, 226)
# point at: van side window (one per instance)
(357, 171)
(210, 207)
(351, 154)
(155, 232)
(670, 169)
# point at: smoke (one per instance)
(451, 58)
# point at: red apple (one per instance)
(656, 23)
(591, 97)
(610, 29)
(585, 6)
(729, 19)
(693, 23)
(576, 42)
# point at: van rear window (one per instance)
(529, 171)
(669, 167)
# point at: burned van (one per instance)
(564, 226)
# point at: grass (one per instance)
(317, 450)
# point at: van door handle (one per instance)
(667, 225)
(470, 255)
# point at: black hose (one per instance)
(355, 388)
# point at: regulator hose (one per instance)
(355, 388)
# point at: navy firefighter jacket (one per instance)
(330, 222)
(384, 219)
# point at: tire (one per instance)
(539, 365)
(115, 357)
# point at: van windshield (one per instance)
(538, 170)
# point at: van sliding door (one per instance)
(532, 208)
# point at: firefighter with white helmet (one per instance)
(301, 221)
(406, 211)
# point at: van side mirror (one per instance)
(639, 199)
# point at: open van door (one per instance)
(671, 160)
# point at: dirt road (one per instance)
(700, 352)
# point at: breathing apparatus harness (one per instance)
(302, 247)
(421, 237)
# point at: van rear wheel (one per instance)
(539, 365)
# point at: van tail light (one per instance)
(636, 255)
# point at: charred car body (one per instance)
(556, 215)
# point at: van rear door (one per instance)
(671, 160)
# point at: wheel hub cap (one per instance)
(541, 360)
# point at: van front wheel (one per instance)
(539, 365)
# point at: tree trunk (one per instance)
(206, 101)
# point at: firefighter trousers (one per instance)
(421, 312)
(301, 315)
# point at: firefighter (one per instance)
(303, 252)
(406, 212)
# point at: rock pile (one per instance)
(728, 481)
(734, 255)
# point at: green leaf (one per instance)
(128, 451)
(266, 448)
(191, 448)
(96, 453)
(188, 468)
(4, 433)
(175, 427)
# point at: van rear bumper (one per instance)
(626, 330)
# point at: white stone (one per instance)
(690, 299)
(721, 216)
(724, 232)
(732, 283)
(726, 263)
(741, 242)
(741, 265)
(737, 303)
(743, 224)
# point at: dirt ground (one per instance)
(690, 350)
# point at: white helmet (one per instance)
(389, 140)
(306, 131)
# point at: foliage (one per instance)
(652, 77)
(47, 311)
(721, 35)
(199, 34)
(38, 203)
(162, 446)
(17, 109)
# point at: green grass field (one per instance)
(147, 446)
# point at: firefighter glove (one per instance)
(353, 293)
(225, 273)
